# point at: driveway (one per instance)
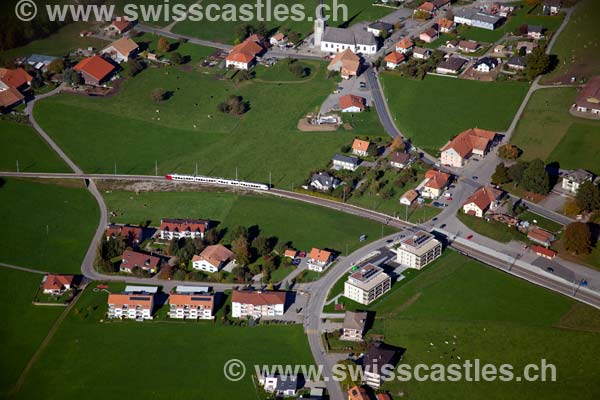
(349, 86)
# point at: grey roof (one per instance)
(485, 17)
(324, 179)
(517, 61)
(348, 36)
(554, 3)
(400, 157)
(40, 58)
(355, 320)
(377, 356)
(420, 50)
(345, 159)
(489, 61)
(453, 63)
(440, 3)
(535, 28)
(286, 382)
(579, 175)
(365, 38)
(465, 13)
(381, 26)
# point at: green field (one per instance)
(578, 46)
(24, 325)
(487, 315)
(168, 360)
(132, 131)
(435, 109)
(223, 31)
(305, 225)
(546, 130)
(194, 53)
(51, 226)
(494, 230)
(542, 222)
(21, 143)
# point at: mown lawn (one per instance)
(305, 225)
(19, 142)
(132, 131)
(191, 52)
(24, 325)
(435, 109)
(546, 130)
(493, 229)
(223, 31)
(457, 310)
(542, 222)
(168, 360)
(50, 226)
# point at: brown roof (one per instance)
(395, 57)
(540, 235)
(132, 259)
(10, 97)
(350, 62)
(357, 393)
(405, 43)
(131, 300)
(437, 179)
(192, 300)
(121, 24)
(183, 225)
(400, 157)
(278, 36)
(15, 78)
(468, 44)
(483, 197)
(427, 6)
(383, 396)
(258, 298)
(466, 141)
(351, 100)
(124, 46)
(445, 23)
(57, 282)
(290, 253)
(542, 251)
(247, 50)
(215, 255)
(410, 195)
(589, 96)
(360, 145)
(431, 32)
(125, 231)
(319, 255)
(95, 66)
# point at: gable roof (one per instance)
(214, 255)
(319, 255)
(247, 50)
(395, 57)
(452, 63)
(132, 259)
(119, 300)
(183, 225)
(345, 159)
(421, 50)
(360, 145)
(57, 282)
(428, 7)
(468, 44)
(258, 298)
(125, 231)
(121, 24)
(405, 43)
(484, 197)
(351, 100)
(95, 66)
(400, 157)
(10, 97)
(437, 179)
(124, 46)
(357, 393)
(192, 299)
(350, 62)
(381, 26)
(355, 320)
(431, 32)
(445, 23)
(410, 195)
(466, 141)
(15, 77)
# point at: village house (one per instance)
(354, 326)
(551, 7)
(361, 147)
(346, 63)
(535, 31)
(543, 252)
(483, 199)
(445, 25)
(280, 385)
(516, 62)
(119, 26)
(57, 284)
(278, 39)
(486, 64)
(401, 159)
(421, 53)
(541, 236)
(409, 197)
(418, 250)
(435, 183)
(380, 28)
(378, 356)
(319, 260)
(133, 259)
(173, 228)
(136, 302)
(191, 302)
(257, 304)
(439, 4)
(121, 50)
(429, 35)
(588, 99)
(367, 284)
(452, 66)
(344, 162)
(130, 234)
(468, 46)
(324, 182)
(405, 46)
(352, 104)
(473, 141)
(212, 258)
(572, 180)
(40, 62)
(393, 59)
(358, 393)
(243, 56)
(94, 70)
(426, 7)
(13, 84)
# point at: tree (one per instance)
(261, 244)
(523, 29)
(515, 172)
(241, 250)
(176, 58)
(158, 95)
(239, 231)
(398, 144)
(535, 178)
(233, 105)
(578, 238)
(537, 63)
(588, 196)
(57, 66)
(500, 176)
(294, 37)
(242, 31)
(420, 14)
(509, 152)
(163, 45)
(134, 67)
(571, 208)
(297, 70)
(72, 77)
(344, 369)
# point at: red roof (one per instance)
(15, 78)
(183, 225)
(247, 50)
(319, 255)
(131, 300)
(192, 300)
(405, 43)
(466, 141)
(95, 66)
(258, 298)
(360, 145)
(395, 57)
(121, 24)
(10, 96)
(437, 179)
(132, 259)
(483, 197)
(357, 393)
(125, 231)
(351, 100)
(427, 6)
(57, 282)
(544, 252)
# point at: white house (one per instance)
(121, 50)
(191, 303)
(172, 228)
(588, 99)
(483, 199)
(319, 260)
(258, 304)
(132, 305)
(367, 284)
(212, 258)
(57, 284)
(280, 385)
(352, 104)
(354, 326)
(379, 28)
(405, 46)
(324, 182)
(345, 162)
(572, 180)
(486, 64)
(418, 250)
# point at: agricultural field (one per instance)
(223, 31)
(172, 360)
(51, 226)
(20, 142)
(305, 225)
(458, 309)
(435, 109)
(24, 325)
(578, 46)
(187, 129)
(548, 131)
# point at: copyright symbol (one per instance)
(234, 370)
(26, 10)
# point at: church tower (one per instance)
(319, 28)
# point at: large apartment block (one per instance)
(367, 284)
(248, 304)
(136, 302)
(191, 302)
(418, 250)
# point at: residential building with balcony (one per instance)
(418, 250)
(131, 305)
(257, 304)
(177, 228)
(191, 302)
(367, 284)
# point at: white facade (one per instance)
(126, 312)
(204, 265)
(186, 312)
(245, 310)
(418, 251)
(168, 235)
(452, 158)
(352, 109)
(239, 64)
(365, 290)
(332, 47)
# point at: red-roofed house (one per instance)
(212, 258)
(405, 46)
(483, 199)
(429, 35)
(248, 304)
(119, 25)
(243, 56)
(131, 234)
(191, 305)
(172, 228)
(427, 7)
(133, 259)
(543, 252)
(472, 141)
(351, 103)
(94, 70)
(138, 306)
(445, 25)
(57, 284)
(435, 183)
(541, 236)
(360, 147)
(318, 259)
(12, 83)
(358, 393)
(394, 59)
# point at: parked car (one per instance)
(475, 178)
(449, 199)
(469, 237)
(302, 254)
(362, 238)
(550, 269)
(363, 85)
(296, 261)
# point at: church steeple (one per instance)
(319, 26)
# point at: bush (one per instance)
(158, 95)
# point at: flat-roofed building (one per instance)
(367, 284)
(418, 250)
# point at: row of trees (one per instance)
(530, 176)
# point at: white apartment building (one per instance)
(248, 304)
(191, 302)
(418, 250)
(367, 284)
(138, 306)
